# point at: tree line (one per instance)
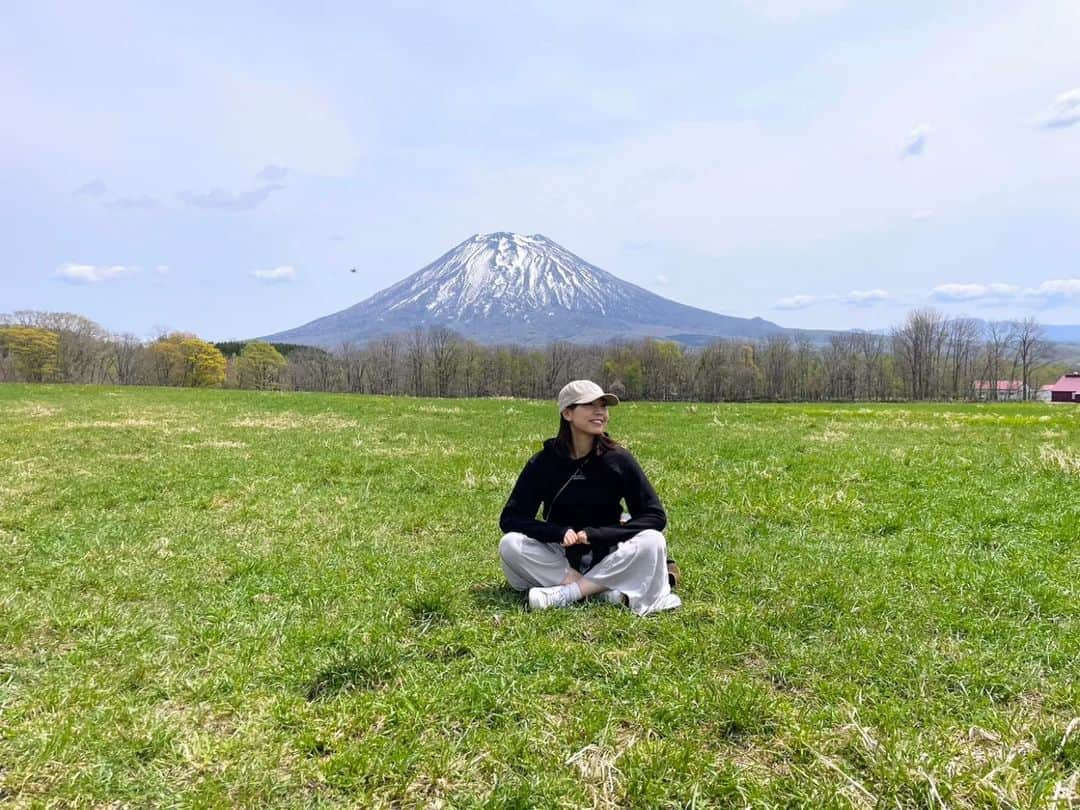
(926, 357)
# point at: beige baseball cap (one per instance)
(579, 392)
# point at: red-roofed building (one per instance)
(1001, 390)
(1067, 389)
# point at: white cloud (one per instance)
(278, 275)
(1061, 288)
(662, 280)
(915, 143)
(1064, 112)
(1048, 293)
(975, 292)
(865, 297)
(923, 216)
(797, 302)
(162, 270)
(91, 274)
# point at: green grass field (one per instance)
(222, 597)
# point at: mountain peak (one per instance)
(508, 273)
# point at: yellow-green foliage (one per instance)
(204, 365)
(34, 350)
(259, 366)
(182, 359)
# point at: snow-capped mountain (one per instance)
(508, 274)
(505, 287)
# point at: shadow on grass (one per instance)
(491, 596)
(351, 671)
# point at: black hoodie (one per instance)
(592, 500)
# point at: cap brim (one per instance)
(609, 400)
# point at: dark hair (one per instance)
(564, 440)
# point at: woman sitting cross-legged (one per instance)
(581, 478)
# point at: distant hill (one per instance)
(1062, 334)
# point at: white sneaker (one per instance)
(614, 597)
(544, 598)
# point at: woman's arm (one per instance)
(646, 510)
(519, 514)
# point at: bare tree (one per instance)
(808, 373)
(1031, 351)
(747, 378)
(995, 349)
(472, 365)
(871, 351)
(557, 358)
(416, 350)
(961, 350)
(495, 377)
(528, 374)
(712, 375)
(445, 348)
(386, 360)
(354, 361)
(841, 367)
(312, 369)
(776, 366)
(918, 344)
(125, 352)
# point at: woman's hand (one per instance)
(572, 538)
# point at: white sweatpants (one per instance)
(637, 568)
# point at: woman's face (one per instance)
(591, 418)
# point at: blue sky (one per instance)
(219, 168)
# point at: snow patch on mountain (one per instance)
(506, 274)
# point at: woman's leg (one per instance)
(529, 563)
(638, 569)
